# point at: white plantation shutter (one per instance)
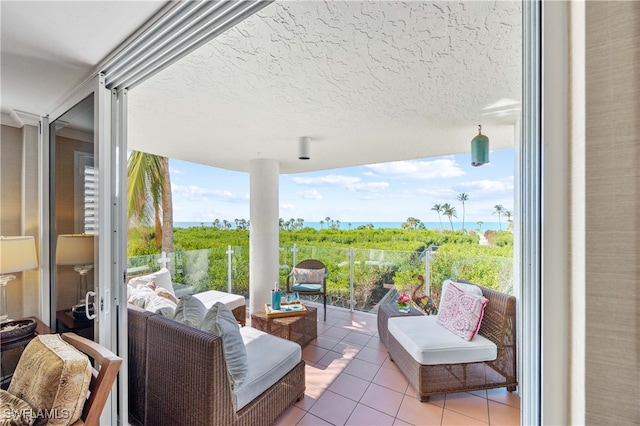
(90, 207)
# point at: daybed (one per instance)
(437, 363)
(178, 375)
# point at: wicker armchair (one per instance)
(310, 289)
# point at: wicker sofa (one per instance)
(498, 325)
(178, 376)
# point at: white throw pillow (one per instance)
(161, 305)
(162, 278)
(221, 322)
(140, 296)
(467, 288)
(190, 311)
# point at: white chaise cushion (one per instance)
(429, 343)
(209, 298)
(270, 358)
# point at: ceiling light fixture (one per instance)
(303, 148)
(479, 149)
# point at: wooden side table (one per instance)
(387, 311)
(300, 329)
(12, 351)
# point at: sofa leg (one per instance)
(511, 388)
(424, 398)
(301, 397)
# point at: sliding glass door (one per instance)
(82, 230)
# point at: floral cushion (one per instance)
(460, 312)
(52, 377)
(309, 276)
(14, 411)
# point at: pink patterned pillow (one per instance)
(460, 312)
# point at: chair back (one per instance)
(311, 264)
(102, 380)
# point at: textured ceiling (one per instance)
(369, 82)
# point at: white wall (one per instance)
(19, 214)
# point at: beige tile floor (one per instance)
(351, 381)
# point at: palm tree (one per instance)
(149, 194)
(463, 197)
(480, 223)
(508, 215)
(411, 223)
(499, 210)
(450, 212)
(438, 209)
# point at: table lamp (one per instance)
(17, 254)
(76, 250)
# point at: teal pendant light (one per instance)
(479, 149)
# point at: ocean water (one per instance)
(376, 225)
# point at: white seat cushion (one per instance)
(269, 358)
(429, 343)
(209, 298)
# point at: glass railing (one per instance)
(359, 279)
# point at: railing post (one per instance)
(352, 301)
(294, 250)
(427, 272)
(428, 259)
(229, 259)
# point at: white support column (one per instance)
(264, 231)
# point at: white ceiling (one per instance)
(369, 82)
(50, 47)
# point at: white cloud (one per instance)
(435, 192)
(488, 186)
(197, 193)
(436, 169)
(350, 183)
(311, 194)
(335, 180)
(175, 171)
(372, 197)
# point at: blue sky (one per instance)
(386, 192)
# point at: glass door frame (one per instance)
(106, 241)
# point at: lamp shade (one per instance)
(479, 149)
(74, 249)
(17, 254)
